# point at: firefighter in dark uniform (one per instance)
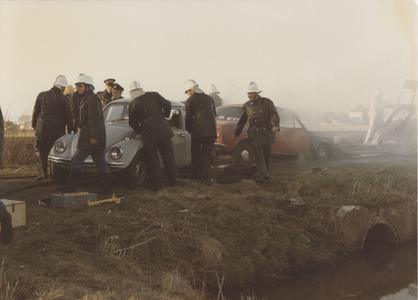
(214, 93)
(106, 95)
(1, 138)
(92, 138)
(51, 115)
(147, 116)
(75, 100)
(201, 124)
(6, 234)
(264, 122)
(116, 93)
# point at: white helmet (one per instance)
(82, 78)
(61, 81)
(253, 88)
(135, 85)
(189, 84)
(214, 90)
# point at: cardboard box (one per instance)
(18, 211)
(72, 199)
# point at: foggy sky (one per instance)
(307, 55)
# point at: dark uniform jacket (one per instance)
(200, 116)
(147, 116)
(91, 122)
(75, 100)
(263, 116)
(51, 114)
(1, 136)
(105, 97)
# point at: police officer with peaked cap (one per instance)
(116, 92)
(106, 95)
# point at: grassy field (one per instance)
(179, 242)
(18, 148)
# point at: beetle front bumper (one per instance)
(88, 163)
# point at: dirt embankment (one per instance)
(175, 243)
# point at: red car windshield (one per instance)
(229, 113)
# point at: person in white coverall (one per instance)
(376, 114)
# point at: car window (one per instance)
(286, 117)
(174, 118)
(297, 124)
(116, 112)
(229, 113)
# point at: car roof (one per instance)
(229, 105)
(128, 100)
(240, 105)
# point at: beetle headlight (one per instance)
(115, 153)
(60, 146)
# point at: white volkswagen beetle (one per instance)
(124, 148)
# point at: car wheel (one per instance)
(58, 173)
(322, 152)
(243, 155)
(136, 172)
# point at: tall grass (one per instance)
(7, 288)
(18, 148)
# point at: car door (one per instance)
(293, 138)
(181, 139)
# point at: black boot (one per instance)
(106, 185)
(71, 184)
(6, 225)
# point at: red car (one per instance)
(293, 139)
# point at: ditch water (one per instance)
(382, 272)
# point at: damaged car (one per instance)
(293, 139)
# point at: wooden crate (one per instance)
(18, 211)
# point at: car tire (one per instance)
(238, 170)
(58, 173)
(136, 173)
(244, 155)
(322, 152)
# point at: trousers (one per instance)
(201, 150)
(263, 160)
(97, 155)
(165, 148)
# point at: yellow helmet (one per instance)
(68, 90)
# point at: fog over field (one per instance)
(310, 56)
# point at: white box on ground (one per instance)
(18, 211)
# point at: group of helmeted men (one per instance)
(55, 114)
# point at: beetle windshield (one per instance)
(116, 112)
(229, 113)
